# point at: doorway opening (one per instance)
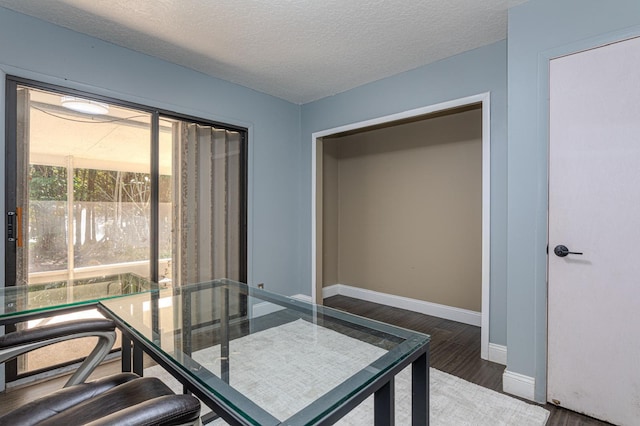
(373, 242)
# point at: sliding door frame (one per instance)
(11, 179)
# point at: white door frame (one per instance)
(484, 100)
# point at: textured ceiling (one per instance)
(298, 50)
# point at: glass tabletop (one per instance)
(268, 358)
(32, 298)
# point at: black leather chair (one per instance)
(120, 399)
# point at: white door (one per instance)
(594, 208)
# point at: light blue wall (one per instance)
(471, 73)
(280, 140)
(538, 30)
(34, 49)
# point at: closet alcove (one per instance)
(401, 209)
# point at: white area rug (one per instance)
(324, 358)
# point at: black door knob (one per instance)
(562, 251)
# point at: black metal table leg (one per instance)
(224, 335)
(209, 417)
(138, 359)
(126, 353)
(420, 390)
(384, 405)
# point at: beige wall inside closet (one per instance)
(402, 209)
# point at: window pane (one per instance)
(111, 218)
(88, 192)
(47, 245)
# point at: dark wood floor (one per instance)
(455, 349)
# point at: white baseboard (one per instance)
(441, 311)
(498, 353)
(519, 385)
(265, 308)
(302, 297)
(332, 290)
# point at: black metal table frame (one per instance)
(223, 404)
(134, 346)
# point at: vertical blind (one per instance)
(207, 184)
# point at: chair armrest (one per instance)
(20, 342)
(53, 331)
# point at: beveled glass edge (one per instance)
(67, 305)
(340, 395)
(231, 397)
(222, 393)
(310, 307)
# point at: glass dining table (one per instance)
(259, 358)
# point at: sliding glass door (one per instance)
(104, 193)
